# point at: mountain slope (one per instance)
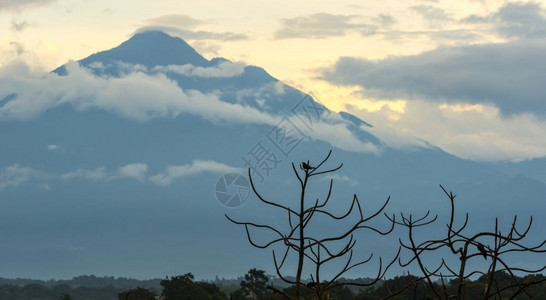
(116, 176)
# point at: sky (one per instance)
(467, 76)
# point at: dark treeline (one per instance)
(90, 281)
(254, 285)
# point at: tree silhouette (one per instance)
(137, 293)
(493, 246)
(320, 250)
(184, 288)
(66, 297)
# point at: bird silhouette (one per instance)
(482, 250)
(305, 166)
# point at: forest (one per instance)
(254, 285)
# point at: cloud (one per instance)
(184, 26)
(322, 25)
(21, 4)
(129, 96)
(90, 174)
(16, 175)
(176, 20)
(471, 131)
(137, 171)
(19, 26)
(222, 70)
(140, 96)
(196, 167)
(53, 147)
(515, 20)
(386, 20)
(431, 14)
(191, 35)
(340, 136)
(207, 47)
(19, 48)
(521, 20)
(442, 37)
(340, 178)
(510, 76)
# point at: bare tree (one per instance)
(316, 250)
(492, 246)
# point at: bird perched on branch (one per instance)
(482, 250)
(305, 166)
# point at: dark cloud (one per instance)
(514, 20)
(323, 25)
(521, 20)
(475, 19)
(510, 76)
(21, 4)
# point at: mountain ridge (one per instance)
(88, 189)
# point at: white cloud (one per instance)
(16, 175)
(53, 147)
(137, 171)
(339, 136)
(279, 87)
(477, 132)
(91, 174)
(140, 96)
(222, 70)
(196, 167)
(340, 178)
(136, 95)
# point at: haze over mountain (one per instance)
(109, 166)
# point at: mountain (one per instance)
(150, 49)
(110, 166)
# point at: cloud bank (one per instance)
(509, 76)
(516, 20)
(323, 25)
(222, 70)
(196, 167)
(141, 95)
(129, 96)
(15, 175)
